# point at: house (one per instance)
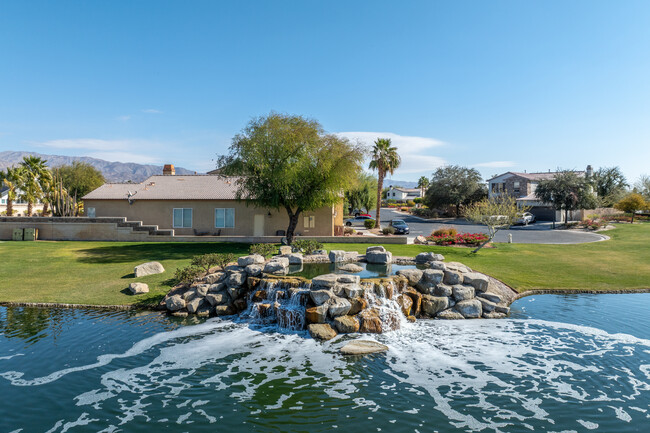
(403, 194)
(201, 205)
(523, 185)
(19, 205)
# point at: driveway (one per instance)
(537, 233)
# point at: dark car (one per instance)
(401, 228)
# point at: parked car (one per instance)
(358, 221)
(525, 218)
(400, 226)
(359, 212)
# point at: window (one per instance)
(91, 212)
(3, 201)
(224, 218)
(516, 187)
(310, 222)
(182, 218)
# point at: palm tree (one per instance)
(11, 178)
(46, 182)
(423, 184)
(36, 174)
(385, 160)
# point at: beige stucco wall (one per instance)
(160, 213)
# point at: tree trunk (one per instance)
(380, 187)
(482, 245)
(10, 207)
(29, 208)
(633, 212)
(45, 208)
(457, 210)
(293, 223)
(566, 217)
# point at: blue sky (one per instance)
(499, 85)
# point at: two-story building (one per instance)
(19, 205)
(523, 186)
(403, 194)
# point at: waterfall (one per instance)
(383, 298)
(277, 303)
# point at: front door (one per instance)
(258, 225)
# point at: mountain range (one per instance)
(113, 171)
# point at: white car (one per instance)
(525, 218)
(358, 221)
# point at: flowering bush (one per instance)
(458, 238)
(592, 224)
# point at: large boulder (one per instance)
(471, 309)
(253, 259)
(459, 267)
(294, 258)
(346, 324)
(363, 347)
(412, 275)
(316, 314)
(224, 310)
(285, 249)
(420, 240)
(449, 314)
(488, 306)
(352, 290)
(452, 277)
(351, 279)
(370, 321)
(376, 248)
(350, 267)
(379, 257)
(321, 296)
(430, 279)
(338, 256)
(405, 302)
(443, 290)
(502, 309)
(175, 303)
(277, 266)
(138, 288)
(254, 270)
(202, 289)
(216, 288)
(149, 268)
(357, 305)
(429, 257)
(215, 278)
(440, 266)
(463, 293)
(194, 304)
(217, 299)
(476, 280)
(431, 305)
(338, 307)
(492, 297)
(236, 279)
(321, 331)
(326, 281)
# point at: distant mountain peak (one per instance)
(113, 171)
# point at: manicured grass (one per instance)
(99, 272)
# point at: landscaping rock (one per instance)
(376, 248)
(476, 280)
(285, 249)
(326, 281)
(471, 309)
(442, 290)
(346, 324)
(379, 257)
(254, 270)
(234, 268)
(429, 257)
(493, 315)
(321, 331)
(277, 266)
(294, 258)
(488, 306)
(353, 290)
(201, 289)
(363, 347)
(370, 321)
(253, 259)
(194, 304)
(236, 279)
(234, 292)
(440, 266)
(430, 279)
(492, 297)
(350, 267)
(420, 240)
(138, 288)
(204, 310)
(215, 278)
(215, 288)
(320, 296)
(449, 314)
(357, 305)
(502, 309)
(348, 279)
(316, 314)
(149, 268)
(217, 299)
(405, 302)
(175, 303)
(338, 307)
(224, 310)
(452, 277)
(338, 256)
(458, 267)
(463, 293)
(412, 275)
(416, 297)
(431, 305)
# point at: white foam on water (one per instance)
(588, 424)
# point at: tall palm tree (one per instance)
(12, 177)
(423, 184)
(46, 182)
(35, 171)
(385, 159)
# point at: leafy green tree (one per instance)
(288, 161)
(632, 203)
(423, 184)
(496, 213)
(454, 185)
(79, 178)
(34, 169)
(642, 186)
(609, 184)
(566, 191)
(12, 178)
(362, 194)
(384, 159)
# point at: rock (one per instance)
(277, 266)
(429, 257)
(194, 304)
(236, 279)
(370, 321)
(357, 305)
(476, 280)
(348, 279)
(471, 309)
(405, 302)
(492, 297)
(379, 257)
(234, 268)
(253, 259)
(326, 281)
(204, 310)
(175, 303)
(338, 307)
(294, 258)
(430, 279)
(234, 292)
(201, 289)
(449, 314)
(488, 306)
(316, 314)
(432, 305)
(463, 293)
(502, 309)
(338, 256)
(138, 288)
(412, 275)
(217, 299)
(285, 249)
(493, 315)
(442, 290)
(411, 319)
(148, 268)
(319, 253)
(459, 267)
(352, 290)
(259, 296)
(321, 331)
(180, 314)
(420, 240)
(215, 288)
(346, 324)
(416, 297)
(224, 310)
(321, 296)
(215, 278)
(254, 270)
(239, 305)
(363, 347)
(440, 266)
(189, 294)
(452, 277)
(377, 248)
(350, 267)
(452, 301)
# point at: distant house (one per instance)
(201, 204)
(403, 194)
(19, 205)
(523, 185)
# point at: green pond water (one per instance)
(559, 364)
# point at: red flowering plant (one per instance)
(458, 238)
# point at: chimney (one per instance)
(168, 170)
(590, 171)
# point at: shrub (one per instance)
(410, 203)
(458, 239)
(307, 246)
(451, 231)
(425, 212)
(388, 230)
(206, 261)
(349, 231)
(405, 209)
(187, 274)
(417, 200)
(369, 224)
(266, 250)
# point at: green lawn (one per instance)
(99, 272)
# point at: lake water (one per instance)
(559, 364)
(369, 270)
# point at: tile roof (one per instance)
(536, 176)
(181, 187)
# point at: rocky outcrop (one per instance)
(149, 268)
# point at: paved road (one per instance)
(537, 233)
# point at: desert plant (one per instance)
(451, 231)
(307, 246)
(266, 250)
(349, 231)
(224, 259)
(369, 224)
(205, 261)
(388, 230)
(187, 274)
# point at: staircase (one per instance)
(137, 226)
